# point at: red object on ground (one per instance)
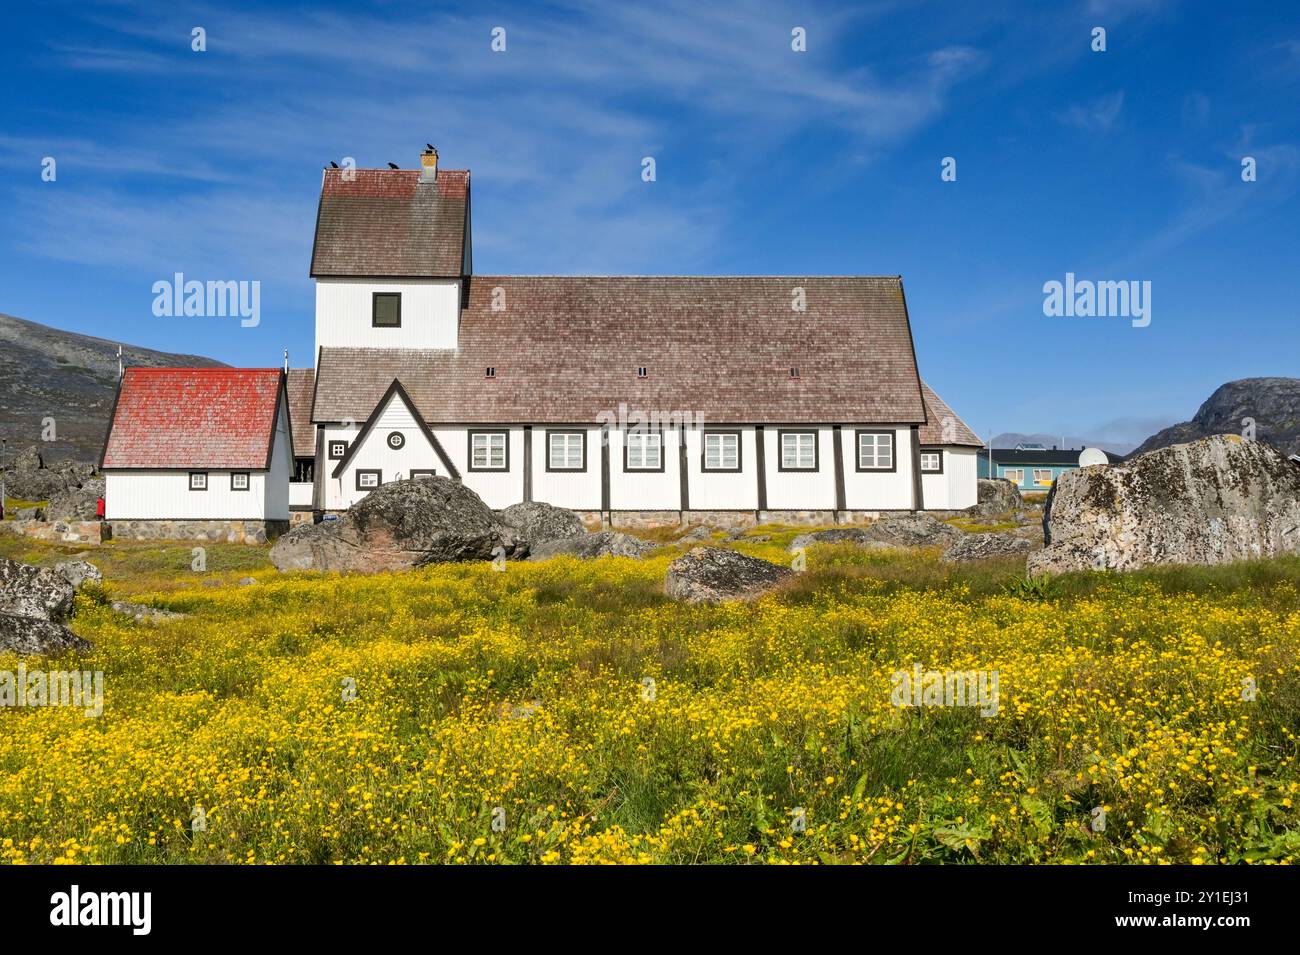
(99, 508)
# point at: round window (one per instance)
(396, 439)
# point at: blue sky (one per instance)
(1122, 165)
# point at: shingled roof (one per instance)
(942, 425)
(301, 385)
(386, 222)
(178, 418)
(566, 350)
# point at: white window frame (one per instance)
(798, 451)
(1018, 479)
(1041, 482)
(571, 445)
(937, 468)
(717, 442)
(201, 484)
(491, 453)
(881, 446)
(235, 484)
(644, 450)
(364, 473)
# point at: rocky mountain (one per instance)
(1273, 403)
(46, 373)
(1009, 439)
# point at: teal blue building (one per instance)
(1033, 467)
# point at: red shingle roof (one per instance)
(301, 384)
(942, 425)
(566, 350)
(194, 418)
(385, 222)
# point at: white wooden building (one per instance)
(199, 444)
(641, 397)
(628, 398)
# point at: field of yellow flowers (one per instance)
(567, 712)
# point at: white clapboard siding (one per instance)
(723, 490)
(800, 490)
(956, 487)
(579, 490)
(638, 490)
(878, 490)
(375, 453)
(430, 313)
(498, 489)
(165, 495)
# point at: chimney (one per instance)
(429, 165)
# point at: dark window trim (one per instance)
(551, 431)
(893, 456)
(248, 484)
(817, 449)
(329, 448)
(469, 449)
(388, 441)
(374, 309)
(378, 473)
(925, 470)
(704, 451)
(205, 481)
(662, 451)
(417, 473)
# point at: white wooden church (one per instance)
(631, 399)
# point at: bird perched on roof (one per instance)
(333, 164)
(393, 165)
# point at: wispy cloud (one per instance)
(1098, 116)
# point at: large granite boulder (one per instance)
(34, 602)
(712, 574)
(588, 546)
(75, 503)
(39, 592)
(29, 478)
(984, 547)
(912, 530)
(998, 496)
(540, 523)
(1210, 501)
(32, 636)
(398, 526)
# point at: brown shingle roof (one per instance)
(194, 418)
(385, 222)
(301, 384)
(566, 349)
(942, 425)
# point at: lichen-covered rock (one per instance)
(78, 572)
(1210, 501)
(837, 535)
(141, 613)
(713, 574)
(998, 496)
(398, 526)
(32, 636)
(27, 591)
(540, 523)
(912, 530)
(588, 546)
(983, 547)
(696, 535)
(75, 503)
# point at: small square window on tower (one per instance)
(642, 371)
(490, 371)
(794, 371)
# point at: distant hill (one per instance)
(1274, 403)
(49, 373)
(1009, 439)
